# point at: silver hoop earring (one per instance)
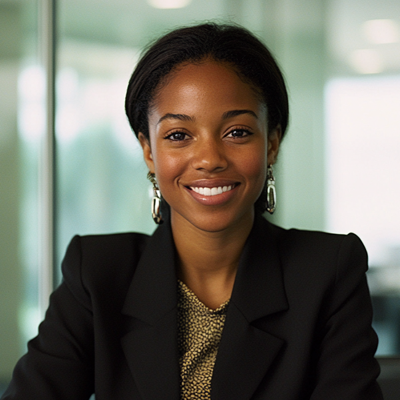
(156, 201)
(271, 191)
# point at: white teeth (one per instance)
(206, 191)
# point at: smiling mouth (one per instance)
(212, 191)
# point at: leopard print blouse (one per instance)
(199, 333)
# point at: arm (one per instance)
(59, 361)
(346, 367)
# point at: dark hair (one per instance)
(229, 44)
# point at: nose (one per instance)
(209, 155)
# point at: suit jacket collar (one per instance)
(151, 345)
(259, 288)
(245, 352)
(153, 291)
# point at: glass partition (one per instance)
(21, 127)
(362, 102)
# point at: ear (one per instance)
(148, 157)
(274, 140)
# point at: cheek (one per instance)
(255, 167)
(168, 168)
(259, 173)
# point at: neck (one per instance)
(208, 261)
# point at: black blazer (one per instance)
(298, 324)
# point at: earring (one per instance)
(156, 201)
(271, 191)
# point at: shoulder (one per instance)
(312, 256)
(104, 248)
(318, 245)
(102, 263)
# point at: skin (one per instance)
(208, 128)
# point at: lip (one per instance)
(215, 199)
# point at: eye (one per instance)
(239, 133)
(177, 136)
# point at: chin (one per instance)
(217, 221)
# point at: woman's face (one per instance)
(208, 146)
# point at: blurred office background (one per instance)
(339, 165)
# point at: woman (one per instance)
(217, 303)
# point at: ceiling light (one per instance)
(379, 31)
(366, 61)
(169, 3)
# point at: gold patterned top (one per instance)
(199, 333)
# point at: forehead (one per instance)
(208, 84)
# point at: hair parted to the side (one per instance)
(228, 44)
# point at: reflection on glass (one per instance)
(101, 174)
(31, 116)
(363, 185)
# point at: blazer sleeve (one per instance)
(346, 368)
(59, 361)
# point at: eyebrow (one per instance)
(225, 115)
(180, 117)
(235, 113)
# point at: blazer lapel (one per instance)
(246, 352)
(150, 345)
